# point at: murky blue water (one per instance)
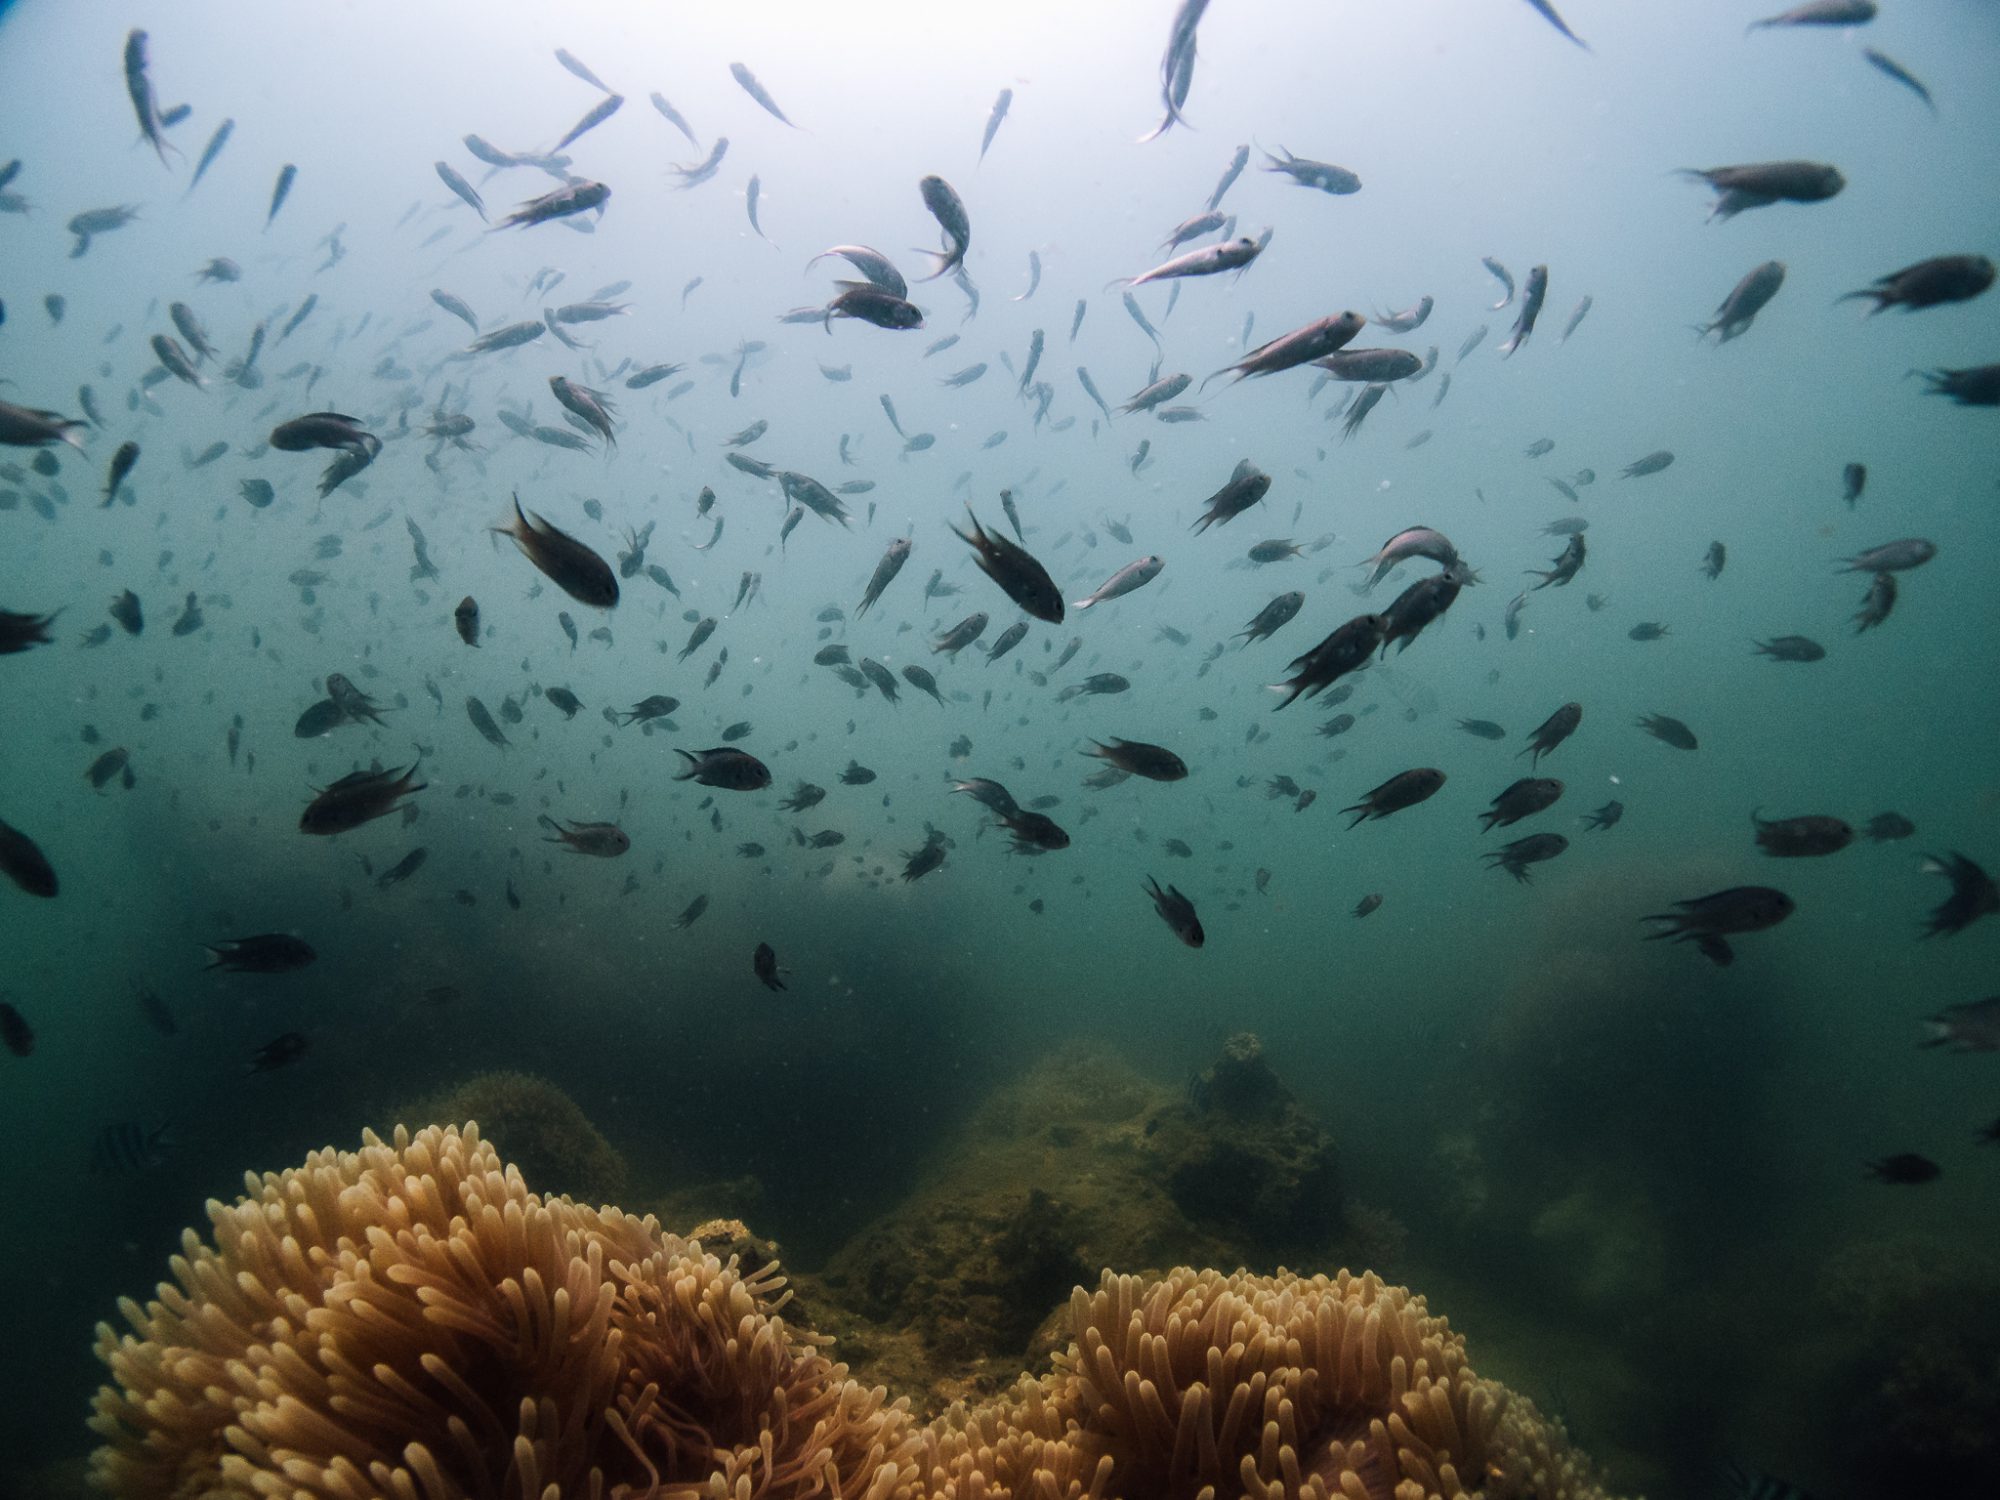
(1667, 1155)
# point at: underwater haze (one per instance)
(1650, 1176)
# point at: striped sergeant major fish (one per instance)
(125, 1149)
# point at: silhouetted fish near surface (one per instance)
(482, 720)
(1707, 921)
(1532, 296)
(1515, 857)
(1547, 10)
(1668, 731)
(749, 84)
(1346, 650)
(994, 117)
(764, 964)
(1892, 557)
(1971, 1027)
(576, 68)
(282, 190)
(574, 568)
(1177, 65)
(1247, 485)
(1791, 648)
(1905, 1169)
(22, 861)
(728, 769)
(1563, 568)
(1523, 799)
(1605, 817)
(603, 110)
(157, 1013)
(1890, 68)
(1973, 894)
(1177, 912)
(1819, 13)
(1552, 731)
(465, 191)
(1403, 790)
(1322, 175)
(265, 953)
(1977, 385)
(139, 89)
(562, 203)
(1137, 758)
(359, 797)
(1877, 603)
(674, 118)
(1020, 576)
(15, 1031)
(1748, 298)
(949, 210)
(1759, 184)
(123, 462)
(403, 868)
(1929, 283)
(280, 1052)
(1801, 837)
(1272, 617)
(1301, 346)
(599, 840)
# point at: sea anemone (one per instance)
(1023, 1444)
(1202, 1384)
(410, 1321)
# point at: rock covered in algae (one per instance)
(1077, 1164)
(536, 1126)
(1909, 1330)
(1245, 1157)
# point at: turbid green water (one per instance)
(1643, 1173)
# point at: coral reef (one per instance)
(1078, 1164)
(409, 1320)
(536, 1126)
